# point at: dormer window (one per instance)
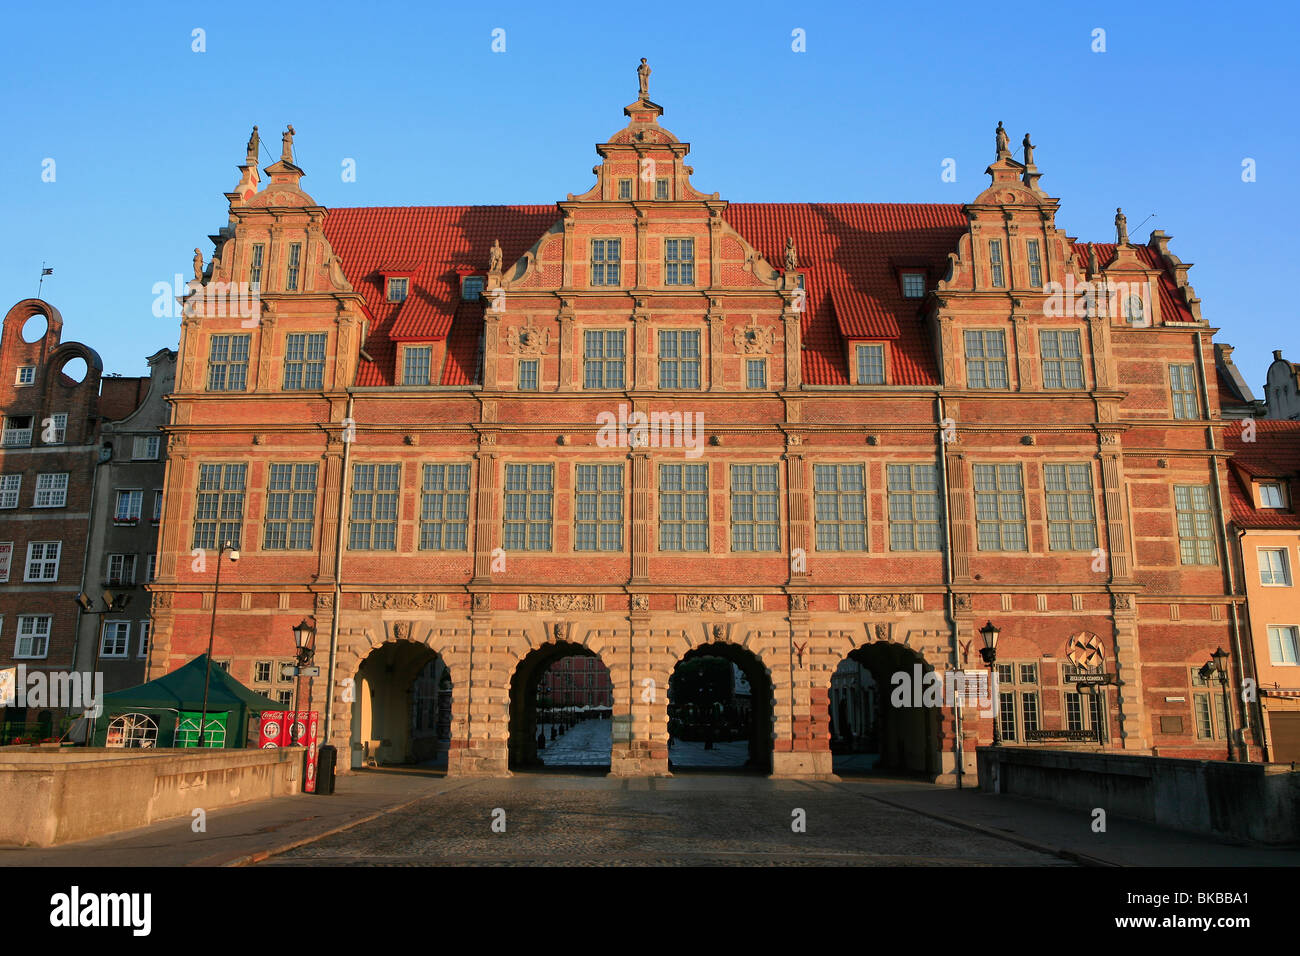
(1134, 310)
(471, 288)
(625, 189)
(871, 364)
(397, 286)
(913, 285)
(1271, 495)
(26, 375)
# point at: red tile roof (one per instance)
(1274, 454)
(1172, 306)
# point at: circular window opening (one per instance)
(34, 329)
(74, 370)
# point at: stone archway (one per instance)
(544, 700)
(902, 726)
(402, 711)
(711, 706)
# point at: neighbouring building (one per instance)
(643, 423)
(1282, 388)
(1236, 400)
(1265, 526)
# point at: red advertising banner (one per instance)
(278, 728)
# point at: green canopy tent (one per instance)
(165, 712)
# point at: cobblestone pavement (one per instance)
(572, 819)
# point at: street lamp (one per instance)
(1218, 663)
(990, 633)
(212, 630)
(304, 640)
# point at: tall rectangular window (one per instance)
(304, 360)
(151, 569)
(373, 521)
(605, 261)
(1029, 708)
(1283, 646)
(1000, 508)
(995, 263)
(157, 504)
(51, 491)
(471, 287)
(26, 375)
(528, 375)
(10, 485)
(291, 271)
(1071, 519)
(603, 358)
(60, 434)
(43, 560)
(871, 364)
(290, 507)
(756, 373)
(661, 188)
(1273, 569)
(397, 287)
(145, 447)
(913, 507)
(228, 363)
(625, 189)
(219, 507)
(1062, 359)
(415, 364)
(755, 510)
(1208, 708)
(121, 570)
(145, 627)
(683, 507)
(1007, 714)
(33, 635)
(1035, 263)
(986, 358)
(1195, 524)
(679, 358)
(116, 639)
(679, 262)
(840, 505)
(128, 504)
(255, 264)
(1182, 386)
(598, 511)
(530, 494)
(444, 508)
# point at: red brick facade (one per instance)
(760, 339)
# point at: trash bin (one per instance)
(325, 759)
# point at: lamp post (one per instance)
(212, 631)
(1218, 663)
(304, 640)
(990, 633)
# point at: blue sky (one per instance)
(145, 133)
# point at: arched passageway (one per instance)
(881, 719)
(720, 711)
(561, 703)
(403, 707)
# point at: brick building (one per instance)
(871, 428)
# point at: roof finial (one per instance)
(643, 79)
(1121, 227)
(286, 147)
(1003, 141)
(254, 143)
(1029, 150)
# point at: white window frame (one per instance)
(157, 505)
(396, 284)
(1266, 571)
(151, 569)
(142, 649)
(60, 422)
(125, 575)
(152, 443)
(13, 436)
(45, 637)
(133, 513)
(122, 630)
(42, 561)
(18, 376)
(1272, 486)
(10, 487)
(54, 494)
(1294, 633)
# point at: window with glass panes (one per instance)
(397, 287)
(290, 507)
(471, 287)
(679, 358)
(143, 649)
(913, 507)
(1208, 707)
(60, 423)
(598, 508)
(913, 285)
(1017, 699)
(661, 189)
(444, 508)
(1000, 508)
(1182, 387)
(528, 375)
(255, 264)
(1273, 569)
(416, 361)
(1270, 495)
(1134, 310)
(145, 447)
(986, 358)
(304, 360)
(51, 491)
(261, 672)
(529, 505)
(679, 262)
(219, 505)
(840, 507)
(755, 513)
(603, 358)
(10, 485)
(756, 373)
(291, 270)
(1062, 358)
(625, 189)
(871, 364)
(157, 504)
(1283, 645)
(1071, 521)
(605, 261)
(683, 508)
(228, 363)
(33, 635)
(1195, 524)
(373, 522)
(128, 505)
(995, 263)
(43, 560)
(1035, 263)
(116, 639)
(121, 569)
